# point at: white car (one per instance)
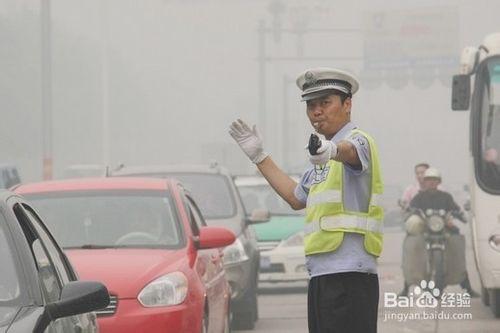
(286, 262)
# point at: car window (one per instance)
(197, 220)
(140, 219)
(212, 193)
(264, 197)
(10, 288)
(9, 278)
(54, 252)
(47, 275)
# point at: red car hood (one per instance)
(126, 271)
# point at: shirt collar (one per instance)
(343, 132)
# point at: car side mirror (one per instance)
(215, 237)
(259, 215)
(77, 297)
(460, 92)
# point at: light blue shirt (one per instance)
(350, 256)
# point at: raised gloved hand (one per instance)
(325, 152)
(249, 140)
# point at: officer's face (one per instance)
(328, 114)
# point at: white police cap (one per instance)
(318, 82)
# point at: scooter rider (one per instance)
(435, 199)
(412, 190)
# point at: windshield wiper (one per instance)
(90, 247)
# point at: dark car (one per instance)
(214, 190)
(39, 291)
(8, 176)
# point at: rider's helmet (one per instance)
(414, 224)
(432, 173)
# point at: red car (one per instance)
(146, 240)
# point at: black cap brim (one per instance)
(320, 94)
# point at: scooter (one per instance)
(435, 236)
(444, 249)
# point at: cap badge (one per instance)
(310, 78)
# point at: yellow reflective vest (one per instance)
(326, 218)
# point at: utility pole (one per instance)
(287, 138)
(105, 84)
(46, 89)
(262, 76)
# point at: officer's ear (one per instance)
(347, 104)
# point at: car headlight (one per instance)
(169, 289)
(235, 253)
(436, 223)
(296, 239)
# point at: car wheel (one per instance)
(246, 320)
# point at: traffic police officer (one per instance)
(343, 230)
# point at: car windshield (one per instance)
(212, 193)
(264, 197)
(10, 289)
(142, 219)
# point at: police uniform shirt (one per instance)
(350, 256)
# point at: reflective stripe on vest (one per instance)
(324, 197)
(333, 196)
(344, 222)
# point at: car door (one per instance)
(213, 278)
(53, 267)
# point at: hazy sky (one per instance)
(156, 82)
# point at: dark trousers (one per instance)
(343, 303)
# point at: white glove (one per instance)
(249, 140)
(326, 151)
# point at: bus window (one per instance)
(489, 163)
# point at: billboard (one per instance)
(418, 45)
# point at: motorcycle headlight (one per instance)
(235, 253)
(429, 212)
(436, 223)
(167, 290)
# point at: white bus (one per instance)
(480, 69)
